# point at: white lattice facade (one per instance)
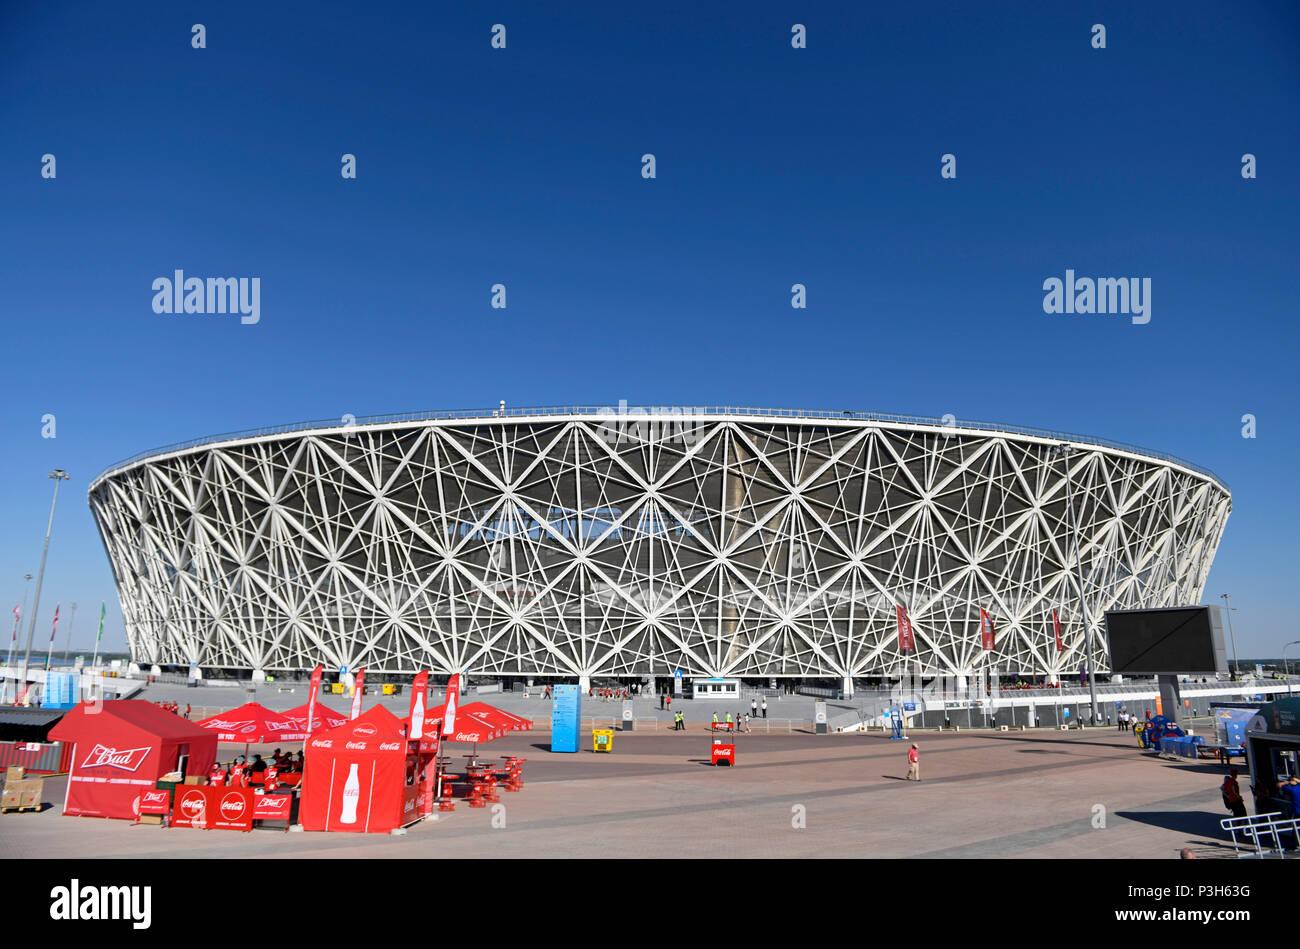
(597, 543)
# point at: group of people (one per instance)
(740, 723)
(174, 708)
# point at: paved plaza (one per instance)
(982, 794)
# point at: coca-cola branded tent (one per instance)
(355, 776)
(121, 748)
(252, 724)
(324, 718)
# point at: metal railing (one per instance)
(682, 413)
(1260, 830)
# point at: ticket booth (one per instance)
(723, 747)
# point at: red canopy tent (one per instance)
(496, 716)
(121, 748)
(324, 718)
(355, 776)
(253, 724)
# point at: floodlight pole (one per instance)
(1287, 664)
(1227, 608)
(58, 474)
(1065, 451)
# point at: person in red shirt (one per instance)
(914, 764)
(1232, 799)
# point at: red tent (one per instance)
(122, 747)
(252, 724)
(490, 714)
(355, 776)
(324, 717)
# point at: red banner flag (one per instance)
(311, 698)
(56, 622)
(986, 628)
(356, 695)
(419, 704)
(449, 713)
(905, 642)
(1056, 626)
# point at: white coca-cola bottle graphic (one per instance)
(351, 795)
(417, 716)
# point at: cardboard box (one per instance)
(198, 779)
(26, 793)
(15, 772)
(151, 819)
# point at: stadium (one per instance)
(580, 542)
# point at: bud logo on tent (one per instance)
(232, 807)
(365, 729)
(227, 726)
(126, 759)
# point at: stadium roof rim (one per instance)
(702, 412)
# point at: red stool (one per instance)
(446, 804)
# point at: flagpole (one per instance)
(67, 646)
(58, 474)
(102, 609)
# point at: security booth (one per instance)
(720, 689)
(1273, 748)
(723, 747)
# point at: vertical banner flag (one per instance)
(1056, 627)
(986, 628)
(419, 694)
(356, 695)
(49, 654)
(453, 696)
(311, 697)
(904, 631)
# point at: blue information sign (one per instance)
(909, 706)
(565, 709)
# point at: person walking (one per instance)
(661, 701)
(753, 707)
(765, 707)
(681, 721)
(715, 718)
(1231, 792)
(914, 763)
(670, 701)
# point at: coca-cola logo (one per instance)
(366, 729)
(233, 806)
(356, 745)
(192, 804)
(390, 746)
(124, 759)
(322, 743)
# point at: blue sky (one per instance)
(775, 166)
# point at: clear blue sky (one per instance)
(775, 166)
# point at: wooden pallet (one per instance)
(20, 807)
